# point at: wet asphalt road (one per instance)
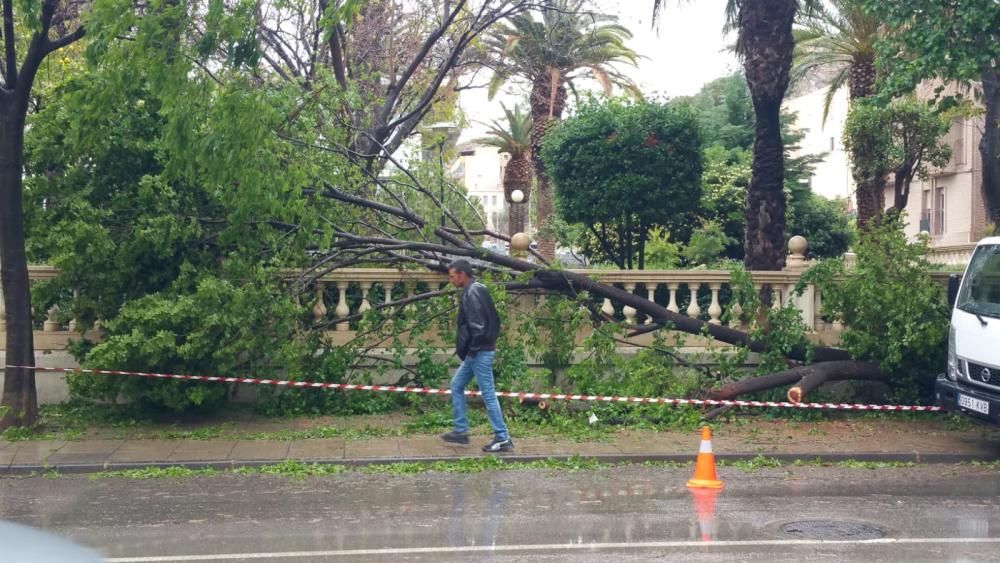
(931, 513)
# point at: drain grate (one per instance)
(832, 530)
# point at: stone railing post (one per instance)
(796, 264)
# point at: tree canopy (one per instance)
(947, 41)
(624, 168)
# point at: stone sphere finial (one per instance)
(520, 242)
(797, 245)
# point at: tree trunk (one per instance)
(861, 81)
(869, 192)
(546, 109)
(19, 394)
(871, 201)
(765, 43)
(989, 145)
(803, 379)
(517, 176)
(902, 178)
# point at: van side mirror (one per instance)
(954, 281)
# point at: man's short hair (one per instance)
(461, 266)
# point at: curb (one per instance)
(910, 457)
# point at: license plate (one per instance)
(973, 404)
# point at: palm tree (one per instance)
(841, 39)
(764, 42)
(552, 51)
(514, 138)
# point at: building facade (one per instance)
(480, 169)
(947, 205)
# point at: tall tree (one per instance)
(551, 50)
(839, 37)
(514, 138)
(765, 44)
(957, 40)
(51, 25)
(902, 138)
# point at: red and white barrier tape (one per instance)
(512, 394)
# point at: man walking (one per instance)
(475, 345)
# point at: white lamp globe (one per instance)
(517, 196)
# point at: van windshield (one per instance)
(981, 288)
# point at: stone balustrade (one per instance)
(704, 294)
(955, 256)
(354, 291)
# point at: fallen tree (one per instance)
(417, 242)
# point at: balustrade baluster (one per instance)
(715, 310)
(342, 309)
(319, 308)
(630, 312)
(672, 306)
(693, 309)
(51, 324)
(365, 305)
(735, 315)
(607, 308)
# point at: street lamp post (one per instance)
(445, 129)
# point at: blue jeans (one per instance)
(482, 367)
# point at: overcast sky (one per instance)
(685, 52)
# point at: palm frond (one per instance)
(558, 39)
(513, 136)
(835, 85)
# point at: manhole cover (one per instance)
(832, 530)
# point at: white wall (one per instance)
(832, 177)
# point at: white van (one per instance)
(971, 383)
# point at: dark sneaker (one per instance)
(497, 445)
(456, 437)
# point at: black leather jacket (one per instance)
(478, 322)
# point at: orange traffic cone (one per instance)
(704, 506)
(704, 467)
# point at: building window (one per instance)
(831, 143)
(925, 212)
(939, 211)
(957, 138)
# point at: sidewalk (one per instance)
(863, 440)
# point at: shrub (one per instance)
(894, 313)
